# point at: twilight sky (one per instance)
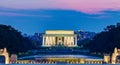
(30, 16)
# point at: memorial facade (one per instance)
(59, 38)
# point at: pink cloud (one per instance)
(87, 6)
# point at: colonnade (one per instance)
(54, 40)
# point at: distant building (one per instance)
(37, 38)
(81, 35)
(59, 38)
(118, 24)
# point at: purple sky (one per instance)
(87, 6)
(30, 16)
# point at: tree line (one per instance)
(12, 39)
(105, 41)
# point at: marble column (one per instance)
(69, 41)
(72, 41)
(47, 40)
(43, 41)
(50, 39)
(53, 39)
(65, 41)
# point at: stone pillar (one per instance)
(107, 58)
(7, 61)
(65, 41)
(46, 42)
(68, 41)
(82, 61)
(113, 61)
(72, 40)
(114, 55)
(54, 40)
(57, 41)
(5, 53)
(50, 41)
(115, 50)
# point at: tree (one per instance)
(83, 43)
(106, 41)
(109, 27)
(12, 39)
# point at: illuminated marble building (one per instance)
(59, 38)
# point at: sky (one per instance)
(31, 16)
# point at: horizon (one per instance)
(36, 16)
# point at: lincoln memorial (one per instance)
(59, 38)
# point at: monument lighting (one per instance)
(59, 38)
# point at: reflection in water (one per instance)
(63, 64)
(60, 56)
